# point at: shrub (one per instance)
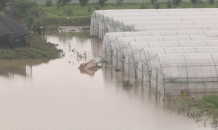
(48, 3)
(194, 1)
(177, 2)
(211, 99)
(89, 9)
(142, 6)
(119, 2)
(97, 6)
(127, 83)
(211, 2)
(64, 2)
(83, 2)
(153, 2)
(102, 2)
(200, 2)
(69, 11)
(169, 4)
(157, 5)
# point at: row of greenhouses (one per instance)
(104, 21)
(170, 50)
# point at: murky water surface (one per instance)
(55, 95)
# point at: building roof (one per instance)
(3, 30)
(16, 29)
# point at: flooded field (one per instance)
(55, 95)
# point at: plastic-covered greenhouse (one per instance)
(97, 15)
(129, 26)
(121, 44)
(178, 72)
(147, 56)
(109, 38)
(108, 19)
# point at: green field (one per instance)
(81, 15)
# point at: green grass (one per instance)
(81, 15)
(211, 99)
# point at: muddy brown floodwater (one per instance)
(54, 95)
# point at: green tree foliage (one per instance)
(3, 4)
(21, 7)
(177, 2)
(48, 3)
(211, 2)
(83, 2)
(169, 4)
(194, 1)
(36, 20)
(102, 2)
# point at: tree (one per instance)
(3, 4)
(83, 2)
(102, 2)
(21, 7)
(211, 2)
(194, 1)
(37, 20)
(169, 4)
(177, 2)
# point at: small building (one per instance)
(17, 33)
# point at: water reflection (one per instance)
(9, 68)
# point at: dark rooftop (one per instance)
(3, 30)
(16, 29)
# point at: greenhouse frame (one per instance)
(121, 44)
(147, 56)
(109, 38)
(178, 72)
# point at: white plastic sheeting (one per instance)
(109, 38)
(147, 56)
(96, 16)
(121, 44)
(185, 72)
(176, 28)
(129, 26)
(106, 21)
